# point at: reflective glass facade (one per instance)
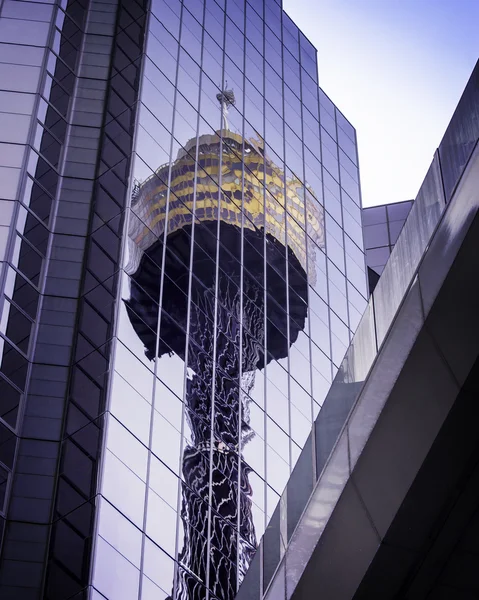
(183, 272)
(382, 226)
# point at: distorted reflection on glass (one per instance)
(206, 236)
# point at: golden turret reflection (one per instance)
(251, 185)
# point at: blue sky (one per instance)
(396, 69)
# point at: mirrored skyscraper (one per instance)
(183, 271)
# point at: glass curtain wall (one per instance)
(39, 48)
(242, 281)
(382, 226)
(33, 102)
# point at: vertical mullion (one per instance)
(240, 378)
(215, 324)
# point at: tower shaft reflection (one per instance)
(216, 495)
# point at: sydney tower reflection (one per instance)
(210, 241)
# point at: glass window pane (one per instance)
(114, 576)
(31, 11)
(9, 178)
(399, 212)
(377, 257)
(11, 155)
(123, 488)
(21, 55)
(161, 522)
(374, 215)
(376, 235)
(16, 31)
(127, 448)
(19, 78)
(158, 566)
(13, 102)
(123, 397)
(119, 532)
